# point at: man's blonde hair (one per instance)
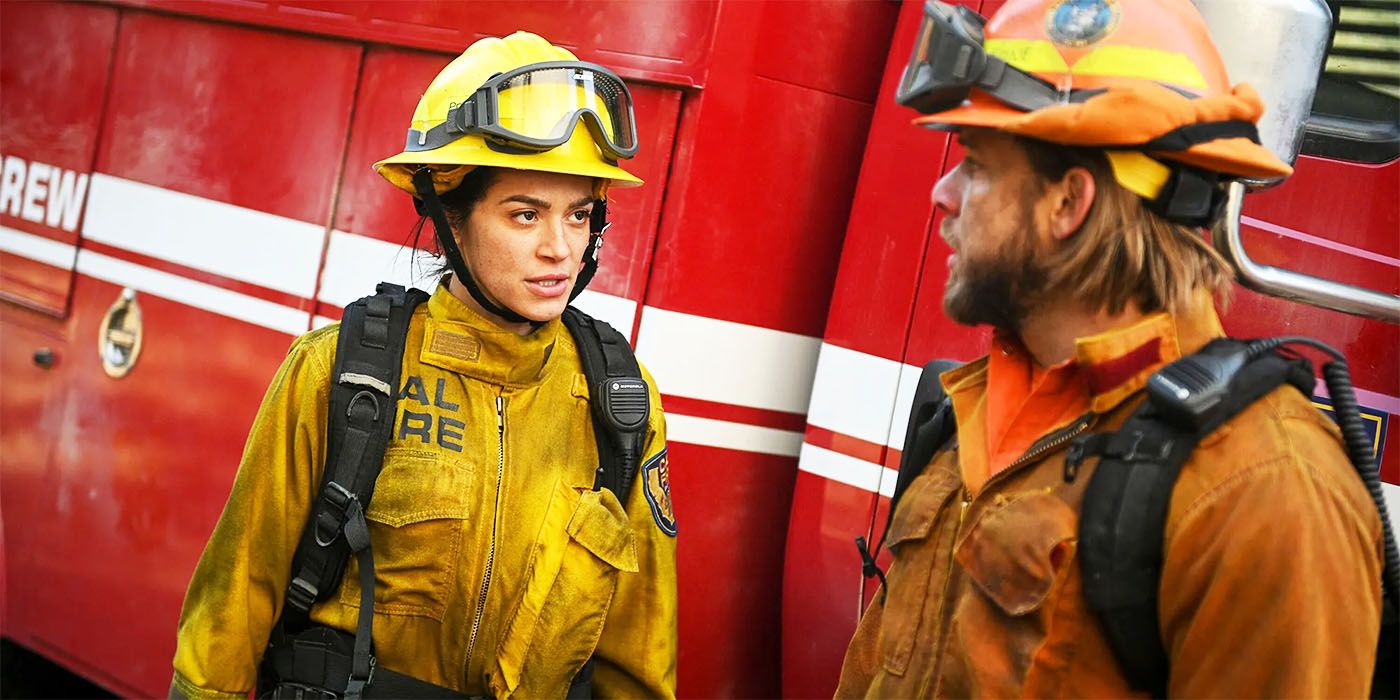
(1125, 252)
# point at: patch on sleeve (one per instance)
(656, 483)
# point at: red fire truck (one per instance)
(185, 187)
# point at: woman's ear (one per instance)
(1074, 197)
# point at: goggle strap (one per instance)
(432, 207)
(464, 118)
(1017, 88)
(429, 140)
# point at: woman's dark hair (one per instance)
(457, 204)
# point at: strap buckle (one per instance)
(301, 691)
(329, 524)
(356, 687)
(301, 594)
(1140, 452)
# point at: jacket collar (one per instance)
(1117, 363)
(459, 339)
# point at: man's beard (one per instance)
(1000, 290)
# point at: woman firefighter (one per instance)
(498, 540)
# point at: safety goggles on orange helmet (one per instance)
(536, 107)
(949, 60)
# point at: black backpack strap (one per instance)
(317, 663)
(363, 404)
(1124, 512)
(931, 426)
(620, 401)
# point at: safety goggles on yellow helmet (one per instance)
(536, 107)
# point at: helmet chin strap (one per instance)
(597, 226)
(432, 206)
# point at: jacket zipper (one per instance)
(1048, 443)
(1037, 449)
(495, 517)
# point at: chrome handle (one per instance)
(120, 334)
(1279, 282)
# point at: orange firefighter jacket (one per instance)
(1270, 581)
(498, 569)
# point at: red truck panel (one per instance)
(193, 109)
(658, 42)
(198, 177)
(53, 58)
(755, 213)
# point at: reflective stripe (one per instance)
(866, 476)
(1040, 56)
(37, 248)
(732, 436)
(355, 263)
(258, 312)
(855, 393)
(619, 312)
(205, 234)
(1141, 62)
(726, 362)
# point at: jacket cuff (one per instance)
(182, 689)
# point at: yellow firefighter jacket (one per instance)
(498, 569)
(1270, 584)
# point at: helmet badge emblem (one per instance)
(1077, 23)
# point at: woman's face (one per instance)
(525, 239)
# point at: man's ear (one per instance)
(1074, 196)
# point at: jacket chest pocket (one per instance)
(584, 544)
(916, 564)
(416, 516)
(1018, 557)
(1018, 549)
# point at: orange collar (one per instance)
(1004, 404)
(1117, 363)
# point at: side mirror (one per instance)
(1278, 46)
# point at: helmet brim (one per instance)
(1127, 119)
(398, 169)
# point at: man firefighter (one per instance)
(1097, 136)
(486, 559)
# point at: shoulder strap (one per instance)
(363, 392)
(931, 425)
(1124, 513)
(620, 400)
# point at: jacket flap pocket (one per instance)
(1018, 548)
(415, 486)
(919, 506)
(600, 526)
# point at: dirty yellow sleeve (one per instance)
(236, 591)
(637, 651)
